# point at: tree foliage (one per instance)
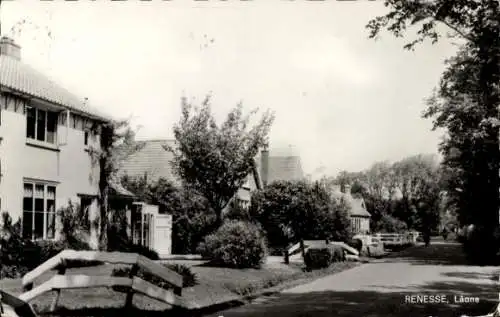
(213, 159)
(466, 101)
(290, 211)
(402, 195)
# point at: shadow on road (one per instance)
(375, 304)
(472, 275)
(455, 283)
(438, 254)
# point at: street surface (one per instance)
(385, 287)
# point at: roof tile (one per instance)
(22, 78)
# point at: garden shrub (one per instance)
(318, 258)
(236, 244)
(189, 279)
(19, 256)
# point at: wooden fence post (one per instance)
(178, 291)
(60, 271)
(130, 294)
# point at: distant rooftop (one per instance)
(284, 164)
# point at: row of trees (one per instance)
(407, 194)
(465, 105)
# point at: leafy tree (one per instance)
(357, 188)
(117, 141)
(418, 180)
(290, 211)
(389, 224)
(407, 191)
(215, 160)
(466, 103)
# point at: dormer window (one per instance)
(41, 125)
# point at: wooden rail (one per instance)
(133, 284)
(396, 239)
(21, 308)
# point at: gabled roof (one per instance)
(357, 206)
(117, 189)
(152, 160)
(356, 203)
(21, 78)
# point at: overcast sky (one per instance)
(344, 101)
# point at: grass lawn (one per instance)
(215, 286)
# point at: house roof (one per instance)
(357, 204)
(152, 160)
(118, 190)
(282, 167)
(24, 79)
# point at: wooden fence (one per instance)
(19, 307)
(132, 283)
(396, 239)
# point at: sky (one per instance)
(341, 100)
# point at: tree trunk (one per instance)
(103, 221)
(286, 254)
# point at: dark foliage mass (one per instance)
(465, 105)
(291, 211)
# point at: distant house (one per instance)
(280, 165)
(359, 215)
(154, 161)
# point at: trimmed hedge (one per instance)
(318, 258)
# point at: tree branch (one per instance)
(459, 32)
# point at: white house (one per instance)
(46, 134)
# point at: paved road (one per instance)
(384, 288)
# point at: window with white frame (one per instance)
(41, 125)
(39, 213)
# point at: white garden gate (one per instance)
(152, 229)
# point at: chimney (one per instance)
(9, 48)
(264, 164)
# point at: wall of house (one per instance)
(65, 164)
(360, 224)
